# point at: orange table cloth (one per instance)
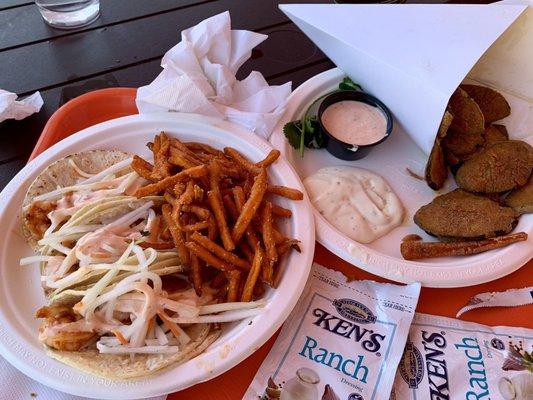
(102, 105)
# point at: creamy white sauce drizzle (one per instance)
(355, 122)
(357, 202)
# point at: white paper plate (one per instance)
(391, 160)
(21, 294)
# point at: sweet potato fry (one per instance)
(205, 148)
(268, 272)
(186, 198)
(233, 285)
(157, 245)
(251, 236)
(251, 279)
(219, 251)
(247, 251)
(154, 188)
(286, 245)
(230, 207)
(415, 248)
(281, 211)
(290, 193)
(161, 150)
(177, 235)
(181, 161)
(250, 206)
(267, 233)
(197, 226)
(269, 159)
(142, 167)
(195, 275)
(204, 254)
(221, 222)
(201, 213)
(215, 201)
(198, 194)
(179, 188)
(242, 161)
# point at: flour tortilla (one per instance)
(121, 366)
(61, 174)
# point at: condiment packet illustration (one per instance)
(343, 340)
(446, 358)
(509, 298)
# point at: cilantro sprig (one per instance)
(306, 132)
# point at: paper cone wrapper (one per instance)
(413, 57)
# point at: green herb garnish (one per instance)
(306, 132)
(348, 84)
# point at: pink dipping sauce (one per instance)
(355, 122)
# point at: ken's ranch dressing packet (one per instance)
(343, 341)
(448, 359)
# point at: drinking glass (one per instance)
(69, 14)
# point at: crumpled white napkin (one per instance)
(10, 107)
(199, 77)
(16, 385)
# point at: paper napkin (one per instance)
(199, 77)
(10, 107)
(16, 385)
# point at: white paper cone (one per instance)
(412, 57)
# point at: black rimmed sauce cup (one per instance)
(352, 151)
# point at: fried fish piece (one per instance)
(501, 167)
(463, 215)
(492, 104)
(521, 199)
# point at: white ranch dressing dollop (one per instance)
(359, 203)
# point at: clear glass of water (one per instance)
(69, 14)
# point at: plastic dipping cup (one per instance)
(352, 151)
(69, 14)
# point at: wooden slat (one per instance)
(6, 4)
(298, 51)
(89, 53)
(23, 25)
(9, 170)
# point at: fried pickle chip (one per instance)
(501, 167)
(494, 134)
(436, 170)
(463, 215)
(502, 129)
(521, 199)
(492, 104)
(467, 126)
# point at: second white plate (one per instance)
(392, 159)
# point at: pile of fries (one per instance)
(218, 212)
